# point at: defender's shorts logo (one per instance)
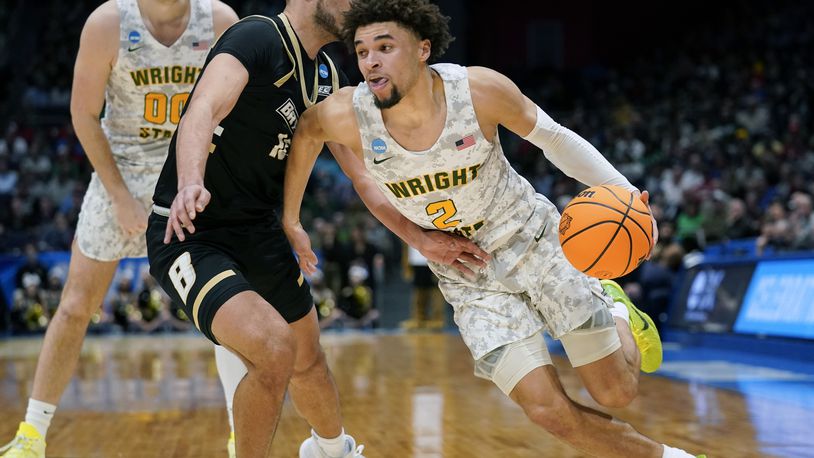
(565, 223)
(289, 112)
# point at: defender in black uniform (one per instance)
(228, 156)
(244, 175)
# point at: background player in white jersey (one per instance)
(139, 59)
(428, 137)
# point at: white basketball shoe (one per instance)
(311, 449)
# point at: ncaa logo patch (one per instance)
(378, 146)
(323, 71)
(134, 37)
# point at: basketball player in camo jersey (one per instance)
(427, 135)
(139, 59)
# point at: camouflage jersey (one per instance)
(150, 83)
(463, 184)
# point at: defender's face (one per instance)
(330, 15)
(390, 58)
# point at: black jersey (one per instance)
(245, 170)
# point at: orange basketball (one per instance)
(606, 231)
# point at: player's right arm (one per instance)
(243, 55)
(309, 138)
(334, 121)
(216, 93)
(98, 50)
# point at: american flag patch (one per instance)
(200, 45)
(465, 142)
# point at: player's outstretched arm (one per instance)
(498, 100)
(216, 93)
(98, 49)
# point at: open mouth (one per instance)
(378, 82)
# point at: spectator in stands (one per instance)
(801, 221)
(8, 177)
(29, 314)
(739, 225)
(356, 306)
(688, 224)
(32, 265)
(775, 232)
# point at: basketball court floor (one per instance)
(403, 395)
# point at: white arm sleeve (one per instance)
(573, 154)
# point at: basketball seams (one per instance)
(596, 224)
(613, 237)
(623, 202)
(644, 231)
(629, 248)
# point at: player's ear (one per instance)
(424, 50)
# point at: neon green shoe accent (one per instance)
(230, 445)
(641, 326)
(28, 443)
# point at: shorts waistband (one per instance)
(161, 211)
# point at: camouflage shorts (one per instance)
(527, 286)
(98, 234)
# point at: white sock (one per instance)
(39, 415)
(620, 309)
(334, 448)
(231, 371)
(670, 452)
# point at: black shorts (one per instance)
(423, 277)
(213, 264)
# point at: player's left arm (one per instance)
(223, 16)
(498, 100)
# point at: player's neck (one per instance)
(312, 37)
(165, 13)
(425, 99)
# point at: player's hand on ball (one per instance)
(645, 197)
(190, 200)
(301, 243)
(452, 250)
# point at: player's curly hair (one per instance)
(422, 17)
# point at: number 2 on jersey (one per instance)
(155, 107)
(445, 211)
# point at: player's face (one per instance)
(389, 57)
(329, 16)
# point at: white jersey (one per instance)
(462, 184)
(150, 84)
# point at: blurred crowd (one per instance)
(718, 128)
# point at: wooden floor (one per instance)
(403, 396)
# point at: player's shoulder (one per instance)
(485, 78)
(104, 19)
(336, 114)
(490, 87)
(338, 103)
(223, 16)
